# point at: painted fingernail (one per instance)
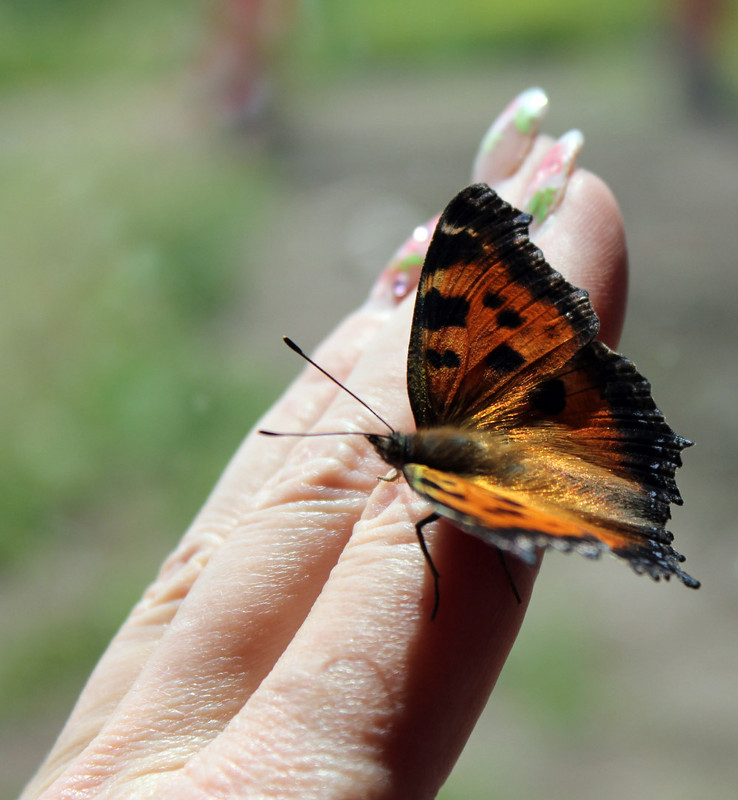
(548, 187)
(510, 137)
(401, 275)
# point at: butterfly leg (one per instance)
(390, 477)
(428, 560)
(510, 579)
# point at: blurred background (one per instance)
(181, 183)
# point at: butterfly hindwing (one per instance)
(520, 523)
(496, 516)
(603, 406)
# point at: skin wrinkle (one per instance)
(359, 552)
(180, 572)
(345, 746)
(172, 738)
(262, 585)
(220, 681)
(230, 773)
(304, 683)
(196, 548)
(362, 326)
(336, 471)
(318, 463)
(348, 675)
(324, 473)
(396, 511)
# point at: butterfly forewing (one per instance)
(491, 316)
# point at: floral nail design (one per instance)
(511, 136)
(549, 183)
(400, 277)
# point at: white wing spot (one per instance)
(451, 230)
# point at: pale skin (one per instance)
(286, 648)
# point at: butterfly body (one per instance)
(529, 433)
(454, 449)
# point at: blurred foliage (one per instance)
(551, 674)
(43, 39)
(416, 29)
(46, 658)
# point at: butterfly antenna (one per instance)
(307, 358)
(302, 435)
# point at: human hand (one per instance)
(286, 647)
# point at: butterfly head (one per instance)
(392, 447)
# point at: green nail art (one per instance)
(509, 139)
(541, 203)
(547, 189)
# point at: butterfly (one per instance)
(529, 433)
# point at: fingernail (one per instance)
(511, 136)
(401, 275)
(548, 187)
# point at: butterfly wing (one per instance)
(491, 316)
(521, 522)
(502, 343)
(600, 407)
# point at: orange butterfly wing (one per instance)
(491, 317)
(502, 350)
(498, 516)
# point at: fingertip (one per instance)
(510, 137)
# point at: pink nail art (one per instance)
(547, 189)
(401, 275)
(508, 141)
